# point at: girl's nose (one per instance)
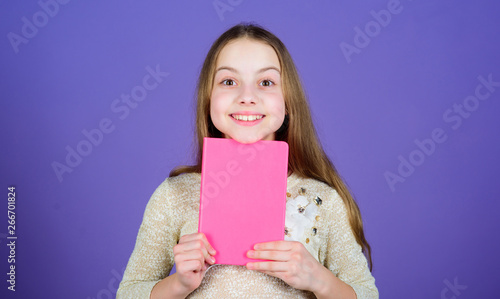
(247, 101)
(248, 96)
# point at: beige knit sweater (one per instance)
(172, 212)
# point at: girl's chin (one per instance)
(245, 139)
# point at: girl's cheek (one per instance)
(223, 94)
(279, 116)
(278, 105)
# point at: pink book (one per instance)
(242, 196)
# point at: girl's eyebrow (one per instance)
(258, 72)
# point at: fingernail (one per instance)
(250, 253)
(212, 259)
(250, 265)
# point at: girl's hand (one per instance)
(191, 256)
(290, 261)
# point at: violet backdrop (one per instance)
(405, 96)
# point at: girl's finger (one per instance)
(198, 236)
(194, 245)
(273, 255)
(195, 254)
(275, 245)
(191, 237)
(208, 246)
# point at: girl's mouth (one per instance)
(247, 119)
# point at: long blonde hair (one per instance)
(307, 157)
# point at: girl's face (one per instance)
(247, 102)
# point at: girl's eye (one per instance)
(267, 83)
(230, 82)
(227, 82)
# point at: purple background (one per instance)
(75, 236)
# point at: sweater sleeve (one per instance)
(344, 256)
(152, 257)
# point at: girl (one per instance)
(249, 90)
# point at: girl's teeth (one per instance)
(247, 117)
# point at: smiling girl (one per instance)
(249, 90)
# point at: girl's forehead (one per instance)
(247, 53)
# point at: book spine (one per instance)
(285, 162)
(203, 162)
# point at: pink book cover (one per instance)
(242, 196)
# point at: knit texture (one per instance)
(172, 212)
